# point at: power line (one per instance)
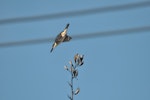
(134, 30)
(26, 42)
(76, 13)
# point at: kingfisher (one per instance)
(61, 37)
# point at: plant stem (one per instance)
(72, 93)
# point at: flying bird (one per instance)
(61, 37)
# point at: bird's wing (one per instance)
(67, 38)
(67, 26)
(64, 32)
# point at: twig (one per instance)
(78, 59)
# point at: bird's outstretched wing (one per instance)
(51, 49)
(67, 26)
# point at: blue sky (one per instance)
(115, 68)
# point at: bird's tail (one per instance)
(67, 26)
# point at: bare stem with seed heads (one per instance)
(78, 59)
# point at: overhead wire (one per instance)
(133, 30)
(75, 13)
(78, 13)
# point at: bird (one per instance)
(61, 37)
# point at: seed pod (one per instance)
(76, 57)
(66, 68)
(75, 73)
(70, 62)
(77, 91)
